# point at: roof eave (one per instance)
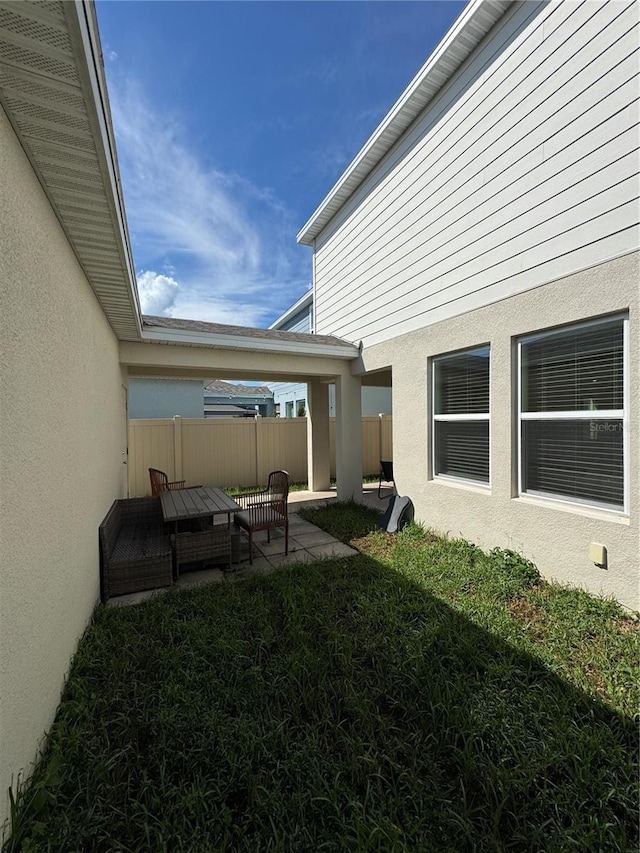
(305, 300)
(53, 90)
(181, 337)
(92, 74)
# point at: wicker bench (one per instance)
(135, 552)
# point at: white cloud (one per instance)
(229, 244)
(157, 293)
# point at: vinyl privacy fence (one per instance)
(237, 451)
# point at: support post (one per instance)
(349, 437)
(318, 463)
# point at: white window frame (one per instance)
(451, 418)
(580, 414)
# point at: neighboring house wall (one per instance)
(62, 433)
(289, 396)
(164, 398)
(521, 171)
(508, 208)
(264, 406)
(375, 401)
(302, 322)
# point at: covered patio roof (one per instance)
(167, 330)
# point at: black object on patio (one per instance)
(386, 475)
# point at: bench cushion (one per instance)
(259, 516)
(135, 552)
(135, 543)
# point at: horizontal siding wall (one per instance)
(288, 392)
(237, 451)
(300, 322)
(522, 170)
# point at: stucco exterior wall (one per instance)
(62, 433)
(555, 536)
(164, 398)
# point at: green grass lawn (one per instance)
(422, 696)
(245, 490)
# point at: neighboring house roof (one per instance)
(53, 90)
(477, 18)
(197, 333)
(230, 411)
(229, 389)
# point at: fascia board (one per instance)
(340, 350)
(301, 303)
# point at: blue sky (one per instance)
(233, 120)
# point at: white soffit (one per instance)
(53, 89)
(477, 18)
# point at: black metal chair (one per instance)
(386, 475)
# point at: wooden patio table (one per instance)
(201, 502)
(185, 504)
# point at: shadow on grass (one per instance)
(334, 706)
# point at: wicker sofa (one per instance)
(135, 552)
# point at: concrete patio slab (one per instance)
(260, 566)
(296, 528)
(290, 559)
(262, 535)
(317, 537)
(299, 524)
(269, 549)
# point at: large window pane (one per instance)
(579, 456)
(461, 415)
(462, 449)
(576, 370)
(462, 383)
(579, 459)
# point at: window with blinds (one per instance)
(572, 414)
(460, 429)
